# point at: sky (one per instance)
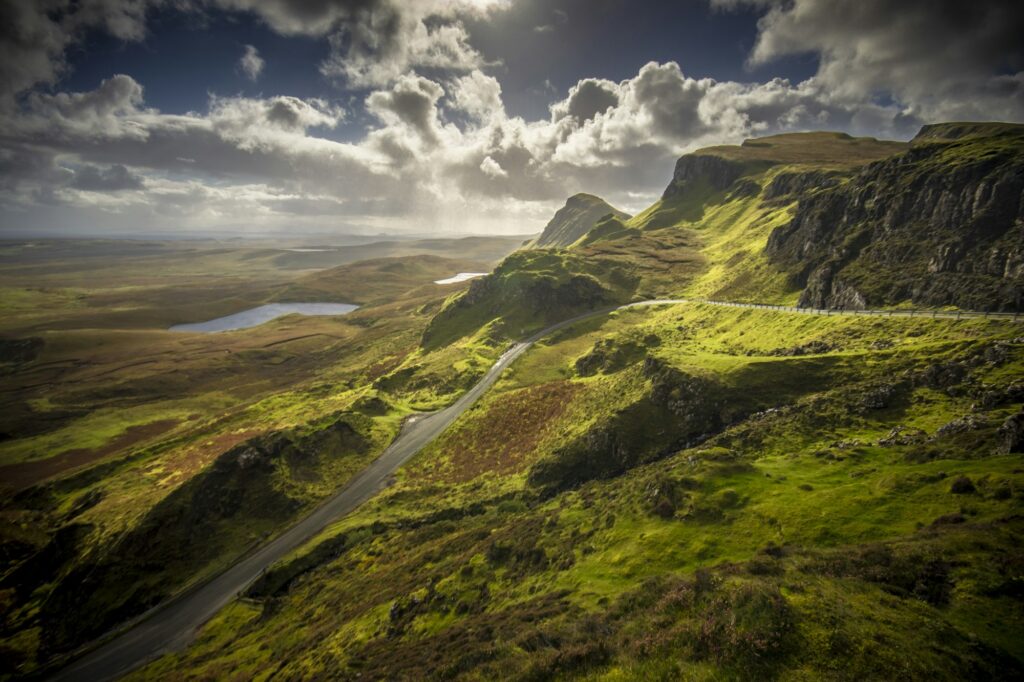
(318, 117)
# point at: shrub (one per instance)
(962, 485)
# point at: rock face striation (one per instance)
(698, 172)
(579, 215)
(940, 224)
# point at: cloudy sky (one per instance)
(447, 116)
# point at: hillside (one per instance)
(641, 496)
(670, 492)
(579, 215)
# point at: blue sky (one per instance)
(537, 51)
(448, 116)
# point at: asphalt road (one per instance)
(171, 627)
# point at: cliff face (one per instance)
(941, 224)
(579, 215)
(697, 172)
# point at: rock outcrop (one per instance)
(700, 172)
(797, 183)
(941, 224)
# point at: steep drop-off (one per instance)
(940, 224)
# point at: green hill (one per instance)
(579, 215)
(672, 492)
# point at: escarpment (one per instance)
(941, 224)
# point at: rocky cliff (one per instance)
(939, 224)
(698, 173)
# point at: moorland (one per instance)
(686, 491)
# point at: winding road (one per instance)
(172, 626)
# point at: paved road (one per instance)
(172, 627)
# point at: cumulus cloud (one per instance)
(940, 59)
(251, 63)
(492, 168)
(375, 41)
(439, 147)
(478, 95)
(252, 118)
(589, 97)
(410, 104)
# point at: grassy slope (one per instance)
(474, 563)
(792, 543)
(138, 415)
(733, 227)
(701, 560)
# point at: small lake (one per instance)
(461, 277)
(264, 313)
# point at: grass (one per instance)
(578, 567)
(113, 424)
(681, 492)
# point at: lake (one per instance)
(461, 277)
(264, 313)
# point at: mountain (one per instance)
(579, 215)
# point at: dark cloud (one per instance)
(34, 35)
(589, 97)
(116, 178)
(411, 102)
(119, 94)
(941, 59)
(313, 17)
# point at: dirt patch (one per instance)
(25, 474)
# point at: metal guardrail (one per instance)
(828, 312)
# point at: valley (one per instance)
(769, 427)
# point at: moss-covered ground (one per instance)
(855, 503)
(678, 492)
(115, 430)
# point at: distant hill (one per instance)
(579, 215)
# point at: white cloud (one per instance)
(442, 151)
(492, 168)
(251, 63)
(478, 95)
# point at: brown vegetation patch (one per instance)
(25, 474)
(386, 366)
(502, 438)
(209, 449)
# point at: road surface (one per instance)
(171, 627)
